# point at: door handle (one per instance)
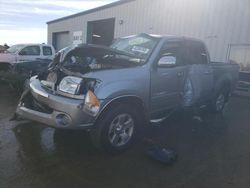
(164, 74)
(208, 72)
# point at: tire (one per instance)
(116, 129)
(221, 98)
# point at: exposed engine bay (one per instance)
(78, 60)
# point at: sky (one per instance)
(24, 21)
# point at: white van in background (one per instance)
(27, 52)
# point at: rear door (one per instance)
(200, 71)
(166, 82)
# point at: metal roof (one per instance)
(91, 10)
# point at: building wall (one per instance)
(218, 22)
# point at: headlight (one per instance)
(70, 85)
(92, 104)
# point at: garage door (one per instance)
(61, 40)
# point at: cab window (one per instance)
(173, 48)
(196, 53)
(30, 50)
(47, 51)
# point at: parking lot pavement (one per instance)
(213, 152)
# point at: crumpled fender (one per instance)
(115, 89)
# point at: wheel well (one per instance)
(226, 87)
(135, 102)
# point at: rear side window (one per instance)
(196, 53)
(30, 50)
(47, 51)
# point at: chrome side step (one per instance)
(158, 120)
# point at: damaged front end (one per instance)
(43, 102)
(63, 96)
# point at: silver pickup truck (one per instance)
(111, 91)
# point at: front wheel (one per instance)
(115, 130)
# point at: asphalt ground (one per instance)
(213, 151)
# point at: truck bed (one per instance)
(225, 71)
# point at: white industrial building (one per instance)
(224, 25)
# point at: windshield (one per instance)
(140, 45)
(15, 48)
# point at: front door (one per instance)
(29, 53)
(167, 81)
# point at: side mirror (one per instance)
(167, 61)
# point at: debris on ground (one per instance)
(197, 118)
(163, 155)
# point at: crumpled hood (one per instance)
(7, 58)
(101, 69)
(114, 75)
(92, 49)
(88, 49)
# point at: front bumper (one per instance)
(65, 112)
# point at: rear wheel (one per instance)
(115, 130)
(219, 101)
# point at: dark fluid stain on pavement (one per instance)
(213, 152)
